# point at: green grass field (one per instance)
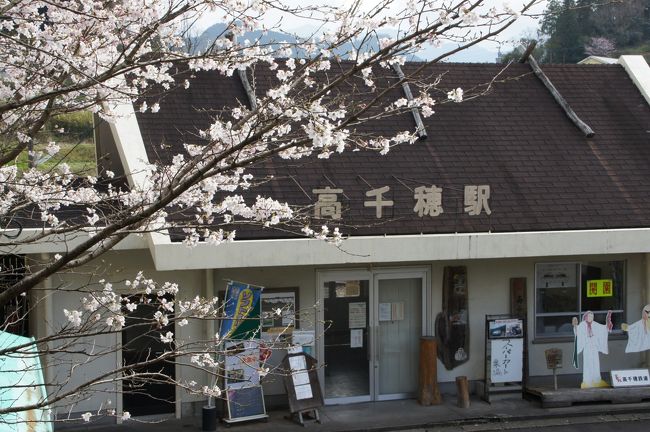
(77, 147)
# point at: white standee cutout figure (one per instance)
(590, 340)
(638, 333)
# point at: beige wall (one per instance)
(116, 267)
(488, 282)
(489, 293)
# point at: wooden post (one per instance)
(462, 386)
(428, 392)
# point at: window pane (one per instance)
(612, 270)
(617, 320)
(551, 300)
(554, 326)
(565, 290)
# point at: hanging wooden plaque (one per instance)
(452, 324)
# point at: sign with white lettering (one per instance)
(630, 378)
(427, 201)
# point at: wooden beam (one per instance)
(252, 100)
(421, 131)
(584, 127)
(528, 51)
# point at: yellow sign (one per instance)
(600, 288)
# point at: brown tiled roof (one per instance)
(543, 173)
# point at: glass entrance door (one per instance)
(371, 327)
(346, 338)
(398, 329)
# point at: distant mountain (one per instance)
(201, 43)
(475, 54)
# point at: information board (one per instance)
(505, 354)
(630, 378)
(245, 403)
(507, 360)
(301, 382)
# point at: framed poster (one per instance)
(242, 363)
(279, 306)
(505, 354)
(246, 403)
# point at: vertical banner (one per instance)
(242, 328)
(242, 312)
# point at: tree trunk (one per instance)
(428, 392)
(462, 386)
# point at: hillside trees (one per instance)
(571, 30)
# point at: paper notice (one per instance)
(297, 363)
(303, 391)
(385, 312)
(357, 315)
(300, 378)
(397, 311)
(356, 338)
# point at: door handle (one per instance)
(378, 350)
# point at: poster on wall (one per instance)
(279, 310)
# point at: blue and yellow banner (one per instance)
(242, 312)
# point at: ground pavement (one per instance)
(408, 415)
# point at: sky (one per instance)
(484, 52)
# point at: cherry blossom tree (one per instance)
(62, 56)
(600, 46)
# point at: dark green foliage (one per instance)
(78, 125)
(566, 38)
(571, 28)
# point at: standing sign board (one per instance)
(241, 329)
(505, 347)
(301, 384)
(630, 378)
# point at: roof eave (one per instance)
(400, 249)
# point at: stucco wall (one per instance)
(488, 282)
(489, 293)
(116, 267)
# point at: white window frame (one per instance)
(578, 287)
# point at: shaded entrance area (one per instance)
(372, 323)
(140, 343)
